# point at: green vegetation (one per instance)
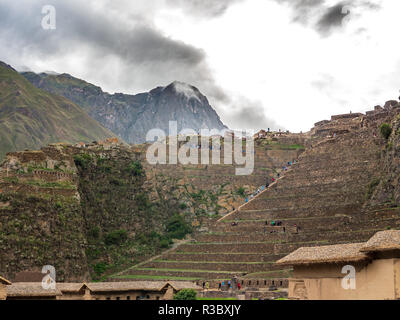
(183, 206)
(40, 229)
(82, 160)
(386, 130)
(94, 232)
(115, 237)
(54, 185)
(241, 191)
(150, 277)
(371, 188)
(215, 299)
(122, 226)
(136, 168)
(154, 239)
(177, 228)
(100, 268)
(275, 145)
(186, 294)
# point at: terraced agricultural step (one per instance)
(190, 273)
(287, 237)
(263, 204)
(223, 257)
(311, 223)
(214, 266)
(299, 212)
(250, 247)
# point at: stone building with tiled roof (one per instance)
(357, 271)
(130, 290)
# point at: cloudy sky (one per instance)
(262, 63)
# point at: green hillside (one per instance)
(31, 118)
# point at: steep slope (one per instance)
(31, 117)
(132, 116)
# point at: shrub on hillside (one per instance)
(116, 237)
(371, 188)
(142, 201)
(386, 130)
(100, 268)
(94, 232)
(241, 191)
(136, 169)
(177, 228)
(182, 206)
(186, 294)
(82, 160)
(165, 243)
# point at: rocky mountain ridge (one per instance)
(132, 116)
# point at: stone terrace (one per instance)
(323, 194)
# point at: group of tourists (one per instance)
(211, 147)
(269, 181)
(288, 165)
(255, 193)
(277, 223)
(226, 285)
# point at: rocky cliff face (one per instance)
(132, 116)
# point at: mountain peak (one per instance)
(187, 90)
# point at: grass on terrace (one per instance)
(54, 185)
(207, 298)
(219, 253)
(213, 262)
(255, 242)
(303, 233)
(285, 219)
(182, 270)
(150, 277)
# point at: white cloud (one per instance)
(269, 64)
(257, 51)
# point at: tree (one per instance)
(116, 237)
(186, 294)
(177, 228)
(386, 130)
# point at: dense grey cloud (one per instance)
(119, 50)
(144, 57)
(333, 17)
(325, 18)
